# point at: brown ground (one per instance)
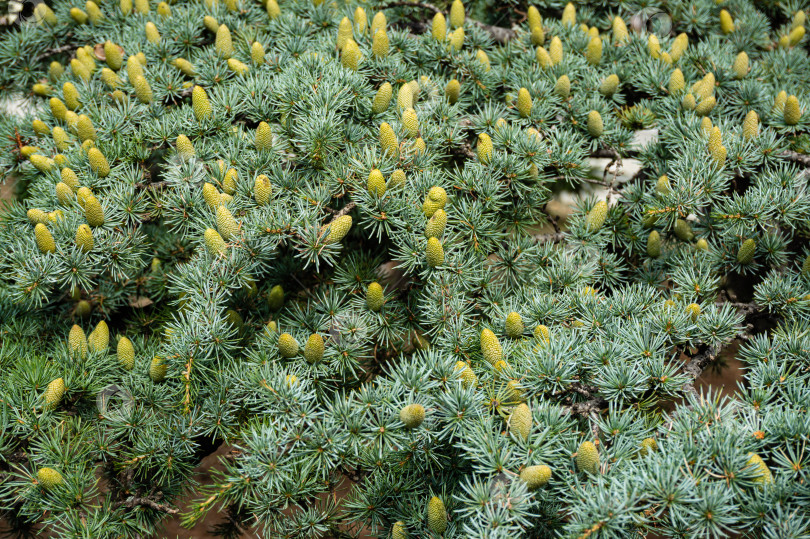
(6, 191)
(202, 474)
(725, 374)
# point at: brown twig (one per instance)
(498, 33)
(596, 182)
(415, 27)
(466, 150)
(693, 368)
(346, 209)
(52, 52)
(745, 308)
(696, 365)
(422, 5)
(707, 354)
(797, 158)
(617, 165)
(553, 220)
(135, 501)
(594, 405)
(550, 238)
(585, 391)
(605, 152)
(153, 186)
(356, 476)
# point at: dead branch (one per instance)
(136, 501)
(591, 406)
(550, 238)
(696, 365)
(499, 34)
(55, 51)
(346, 209)
(796, 157)
(421, 5)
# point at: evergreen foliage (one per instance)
(308, 229)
